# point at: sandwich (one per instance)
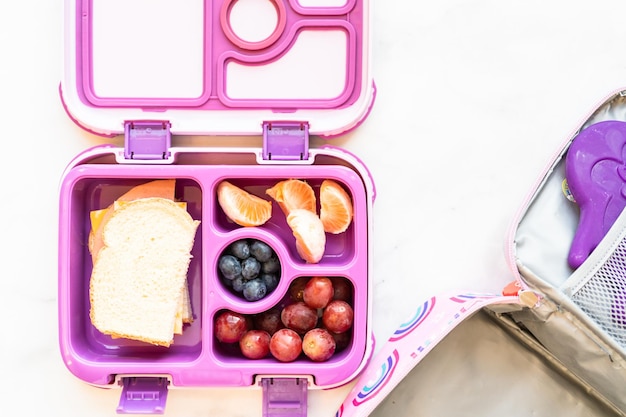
(141, 251)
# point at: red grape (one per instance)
(318, 344)
(255, 344)
(286, 345)
(268, 320)
(299, 317)
(343, 289)
(338, 316)
(342, 340)
(230, 326)
(318, 291)
(296, 289)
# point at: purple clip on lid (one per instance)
(595, 171)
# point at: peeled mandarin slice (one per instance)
(308, 230)
(336, 209)
(293, 194)
(241, 207)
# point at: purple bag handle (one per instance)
(413, 339)
(595, 171)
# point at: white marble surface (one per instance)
(473, 99)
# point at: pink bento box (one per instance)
(153, 75)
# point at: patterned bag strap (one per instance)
(412, 340)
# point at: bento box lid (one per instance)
(217, 67)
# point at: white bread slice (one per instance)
(184, 313)
(187, 311)
(163, 188)
(97, 217)
(155, 188)
(140, 273)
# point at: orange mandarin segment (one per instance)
(241, 207)
(293, 194)
(336, 207)
(308, 230)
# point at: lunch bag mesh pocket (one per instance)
(603, 295)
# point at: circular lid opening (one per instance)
(253, 24)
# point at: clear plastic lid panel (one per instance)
(218, 67)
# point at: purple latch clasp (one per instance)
(284, 397)
(143, 395)
(147, 140)
(285, 141)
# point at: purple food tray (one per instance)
(196, 358)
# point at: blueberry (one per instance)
(229, 266)
(254, 290)
(250, 268)
(240, 249)
(271, 281)
(261, 251)
(238, 284)
(271, 265)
